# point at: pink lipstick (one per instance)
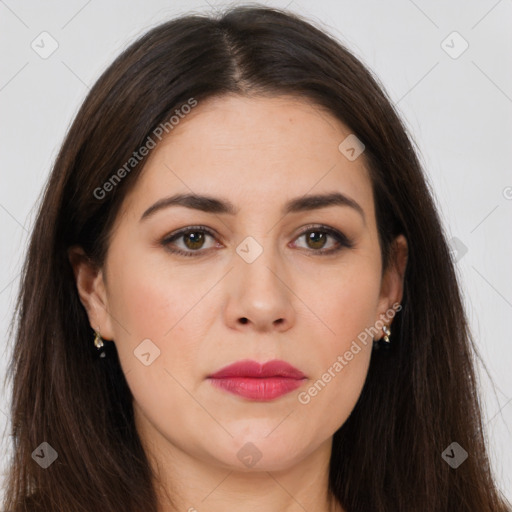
(256, 381)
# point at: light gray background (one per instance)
(459, 111)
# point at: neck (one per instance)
(186, 482)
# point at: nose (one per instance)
(259, 296)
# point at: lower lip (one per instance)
(262, 389)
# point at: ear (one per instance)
(92, 292)
(392, 284)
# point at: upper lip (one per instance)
(249, 368)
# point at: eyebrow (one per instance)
(210, 204)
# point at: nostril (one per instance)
(244, 320)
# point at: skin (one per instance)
(300, 306)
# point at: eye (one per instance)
(192, 239)
(318, 236)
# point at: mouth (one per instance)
(260, 382)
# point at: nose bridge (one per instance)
(258, 293)
(258, 262)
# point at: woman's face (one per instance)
(263, 272)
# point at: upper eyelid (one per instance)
(188, 229)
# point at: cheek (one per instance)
(343, 301)
(345, 308)
(330, 397)
(341, 363)
(148, 298)
(147, 303)
(157, 339)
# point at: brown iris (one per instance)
(317, 238)
(195, 239)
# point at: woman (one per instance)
(238, 293)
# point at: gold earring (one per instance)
(387, 334)
(98, 342)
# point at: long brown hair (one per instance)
(418, 398)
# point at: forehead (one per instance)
(254, 151)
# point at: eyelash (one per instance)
(342, 240)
